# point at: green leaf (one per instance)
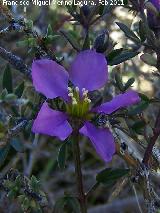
(34, 184)
(49, 31)
(71, 39)
(17, 145)
(73, 203)
(32, 42)
(108, 176)
(49, 39)
(7, 79)
(119, 82)
(101, 9)
(124, 56)
(104, 9)
(149, 59)
(3, 94)
(139, 108)
(3, 153)
(144, 98)
(59, 205)
(138, 127)
(129, 83)
(113, 54)
(62, 155)
(129, 33)
(19, 90)
(29, 23)
(23, 43)
(86, 44)
(142, 31)
(10, 97)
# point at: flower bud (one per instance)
(86, 10)
(101, 42)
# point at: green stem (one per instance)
(78, 172)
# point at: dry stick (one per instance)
(15, 61)
(78, 172)
(118, 189)
(156, 130)
(138, 203)
(92, 189)
(5, 11)
(156, 133)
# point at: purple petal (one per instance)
(50, 78)
(153, 20)
(102, 140)
(123, 100)
(89, 70)
(52, 122)
(156, 3)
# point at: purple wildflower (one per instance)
(153, 20)
(156, 3)
(88, 72)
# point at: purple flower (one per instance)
(88, 72)
(156, 3)
(153, 20)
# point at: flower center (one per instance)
(80, 103)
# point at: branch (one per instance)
(15, 61)
(156, 133)
(156, 130)
(5, 11)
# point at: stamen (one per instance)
(77, 89)
(85, 93)
(87, 100)
(83, 90)
(70, 89)
(70, 94)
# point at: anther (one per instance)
(83, 90)
(70, 94)
(85, 93)
(77, 89)
(70, 89)
(87, 100)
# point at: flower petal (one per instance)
(50, 78)
(102, 140)
(52, 122)
(123, 100)
(89, 70)
(153, 20)
(156, 3)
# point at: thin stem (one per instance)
(31, 161)
(138, 203)
(78, 172)
(92, 189)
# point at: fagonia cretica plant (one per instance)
(88, 72)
